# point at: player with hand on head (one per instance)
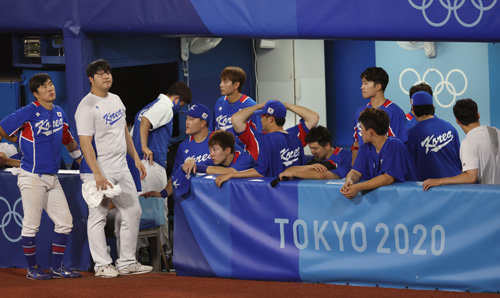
(329, 162)
(276, 149)
(43, 127)
(100, 118)
(382, 160)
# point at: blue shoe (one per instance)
(63, 273)
(37, 273)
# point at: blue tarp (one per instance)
(464, 20)
(394, 236)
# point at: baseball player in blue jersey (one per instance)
(374, 81)
(411, 120)
(43, 126)
(232, 100)
(194, 148)
(100, 117)
(329, 162)
(224, 158)
(382, 160)
(274, 149)
(151, 134)
(433, 143)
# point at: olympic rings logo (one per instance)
(7, 217)
(452, 8)
(439, 87)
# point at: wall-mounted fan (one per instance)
(197, 45)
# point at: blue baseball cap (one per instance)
(199, 110)
(273, 108)
(421, 98)
(181, 182)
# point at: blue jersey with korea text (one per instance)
(41, 133)
(434, 145)
(341, 159)
(223, 111)
(190, 149)
(241, 161)
(158, 139)
(276, 151)
(397, 127)
(393, 159)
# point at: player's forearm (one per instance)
(376, 182)
(354, 152)
(220, 170)
(310, 117)
(467, 177)
(250, 173)
(353, 175)
(239, 118)
(130, 146)
(89, 154)
(15, 163)
(144, 131)
(71, 146)
(3, 134)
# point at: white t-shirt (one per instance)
(104, 119)
(160, 113)
(478, 152)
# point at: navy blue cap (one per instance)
(421, 98)
(199, 110)
(273, 108)
(181, 182)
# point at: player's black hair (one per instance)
(319, 134)
(279, 121)
(376, 119)
(223, 138)
(38, 80)
(466, 112)
(181, 89)
(234, 74)
(97, 66)
(377, 75)
(420, 87)
(424, 110)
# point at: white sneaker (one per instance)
(106, 271)
(136, 268)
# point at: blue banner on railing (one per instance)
(395, 236)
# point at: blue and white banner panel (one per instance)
(395, 236)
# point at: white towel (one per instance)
(93, 197)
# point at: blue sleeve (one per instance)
(361, 162)
(263, 161)
(344, 165)
(244, 162)
(394, 161)
(398, 124)
(15, 121)
(179, 158)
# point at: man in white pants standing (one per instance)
(100, 117)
